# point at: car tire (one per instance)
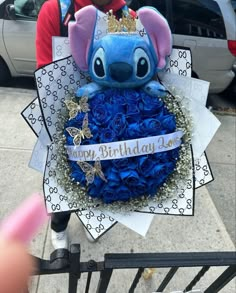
(194, 75)
(5, 74)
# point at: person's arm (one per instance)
(48, 25)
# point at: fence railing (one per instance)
(64, 261)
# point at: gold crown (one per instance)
(126, 24)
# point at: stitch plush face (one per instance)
(130, 66)
(120, 60)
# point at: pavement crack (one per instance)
(15, 149)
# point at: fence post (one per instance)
(74, 273)
(167, 279)
(136, 280)
(104, 280)
(223, 280)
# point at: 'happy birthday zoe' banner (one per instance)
(125, 149)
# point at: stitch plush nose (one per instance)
(120, 71)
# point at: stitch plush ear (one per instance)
(81, 35)
(159, 32)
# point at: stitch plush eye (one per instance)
(99, 63)
(142, 62)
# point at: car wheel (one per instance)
(5, 74)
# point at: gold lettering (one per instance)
(145, 149)
(127, 150)
(103, 150)
(136, 150)
(170, 143)
(161, 142)
(116, 152)
(153, 148)
(121, 150)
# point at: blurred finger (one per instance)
(16, 266)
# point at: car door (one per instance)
(199, 25)
(19, 34)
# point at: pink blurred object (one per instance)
(25, 221)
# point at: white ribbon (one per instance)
(126, 148)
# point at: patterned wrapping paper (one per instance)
(54, 82)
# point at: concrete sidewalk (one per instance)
(221, 153)
(203, 232)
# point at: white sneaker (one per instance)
(88, 235)
(59, 239)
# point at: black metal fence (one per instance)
(64, 261)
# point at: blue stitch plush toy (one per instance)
(120, 59)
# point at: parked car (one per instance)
(208, 27)
(17, 38)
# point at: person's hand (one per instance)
(16, 266)
(16, 231)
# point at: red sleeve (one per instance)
(132, 13)
(48, 25)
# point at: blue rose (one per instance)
(169, 167)
(88, 141)
(101, 114)
(98, 99)
(133, 113)
(69, 139)
(75, 122)
(129, 177)
(78, 175)
(79, 118)
(174, 154)
(123, 193)
(153, 185)
(118, 124)
(150, 126)
(98, 184)
(145, 165)
(131, 96)
(109, 195)
(113, 177)
(140, 189)
(150, 105)
(168, 123)
(107, 135)
(157, 171)
(162, 157)
(133, 130)
(133, 162)
(120, 164)
(116, 97)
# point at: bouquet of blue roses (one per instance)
(121, 173)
